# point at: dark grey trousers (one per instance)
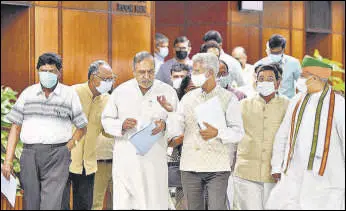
(215, 183)
(43, 175)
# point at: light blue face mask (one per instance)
(224, 81)
(275, 58)
(47, 79)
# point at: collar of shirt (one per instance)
(139, 89)
(56, 91)
(87, 88)
(210, 94)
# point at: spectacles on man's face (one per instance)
(113, 77)
(180, 48)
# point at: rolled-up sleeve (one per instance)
(16, 115)
(234, 131)
(110, 118)
(78, 117)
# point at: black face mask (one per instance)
(181, 54)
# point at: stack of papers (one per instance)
(143, 140)
(212, 113)
(9, 188)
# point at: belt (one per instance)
(30, 146)
(105, 161)
(177, 164)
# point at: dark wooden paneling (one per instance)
(247, 37)
(247, 18)
(206, 12)
(298, 15)
(195, 34)
(169, 12)
(46, 32)
(171, 32)
(322, 42)
(85, 39)
(136, 38)
(276, 14)
(86, 5)
(15, 61)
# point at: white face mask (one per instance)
(177, 83)
(163, 52)
(198, 80)
(104, 87)
(265, 88)
(301, 85)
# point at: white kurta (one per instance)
(301, 188)
(140, 182)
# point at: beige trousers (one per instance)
(103, 180)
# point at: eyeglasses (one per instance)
(107, 79)
(180, 48)
(270, 79)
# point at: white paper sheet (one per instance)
(212, 113)
(9, 188)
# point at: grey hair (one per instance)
(239, 49)
(208, 61)
(140, 56)
(94, 67)
(160, 38)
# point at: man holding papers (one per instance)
(140, 177)
(205, 156)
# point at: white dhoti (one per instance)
(250, 195)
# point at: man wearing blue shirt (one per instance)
(290, 65)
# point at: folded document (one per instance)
(143, 140)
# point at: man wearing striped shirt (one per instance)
(43, 117)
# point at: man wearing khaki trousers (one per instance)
(103, 176)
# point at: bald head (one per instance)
(239, 53)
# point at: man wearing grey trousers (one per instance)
(43, 116)
(205, 159)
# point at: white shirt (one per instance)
(158, 62)
(234, 69)
(47, 120)
(197, 154)
(249, 78)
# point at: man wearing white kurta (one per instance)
(262, 116)
(205, 160)
(140, 182)
(309, 148)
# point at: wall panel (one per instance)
(276, 14)
(246, 18)
(169, 12)
(85, 39)
(46, 3)
(15, 57)
(298, 14)
(206, 12)
(338, 17)
(46, 32)
(128, 42)
(90, 5)
(298, 47)
(337, 47)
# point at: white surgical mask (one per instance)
(301, 85)
(275, 58)
(198, 80)
(104, 87)
(177, 83)
(265, 88)
(163, 52)
(47, 79)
